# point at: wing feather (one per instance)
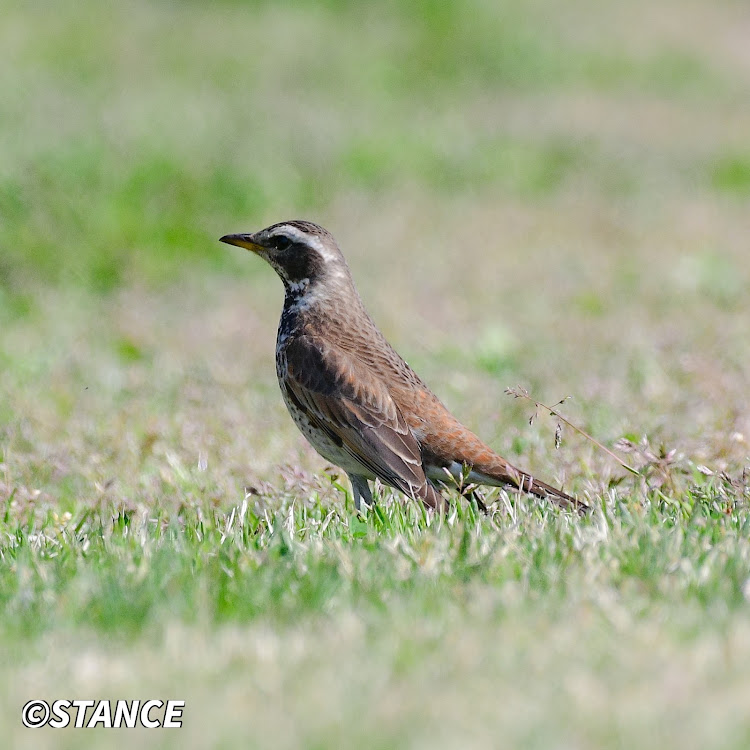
(355, 409)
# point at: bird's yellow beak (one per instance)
(243, 240)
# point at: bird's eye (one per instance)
(281, 242)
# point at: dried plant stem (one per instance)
(523, 393)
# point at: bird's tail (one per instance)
(541, 489)
(503, 473)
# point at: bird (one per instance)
(358, 403)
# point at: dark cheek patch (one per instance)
(299, 264)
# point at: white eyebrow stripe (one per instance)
(287, 230)
(297, 235)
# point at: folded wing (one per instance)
(354, 408)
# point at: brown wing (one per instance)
(343, 398)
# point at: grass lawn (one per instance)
(552, 197)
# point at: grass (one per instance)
(251, 604)
(526, 197)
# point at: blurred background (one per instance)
(549, 194)
(527, 193)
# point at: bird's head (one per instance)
(302, 253)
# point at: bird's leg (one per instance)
(360, 490)
(470, 493)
